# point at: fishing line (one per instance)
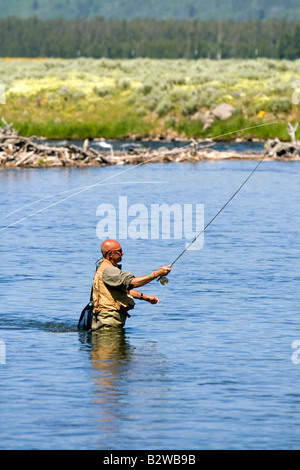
(163, 279)
(40, 200)
(71, 190)
(86, 188)
(245, 129)
(157, 308)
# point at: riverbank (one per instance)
(147, 99)
(23, 152)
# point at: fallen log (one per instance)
(283, 150)
(25, 152)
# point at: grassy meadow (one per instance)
(84, 97)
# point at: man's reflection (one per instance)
(128, 382)
(110, 356)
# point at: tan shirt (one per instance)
(114, 277)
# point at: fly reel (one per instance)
(164, 280)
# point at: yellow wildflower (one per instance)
(261, 114)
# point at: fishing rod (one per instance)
(163, 279)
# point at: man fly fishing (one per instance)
(114, 291)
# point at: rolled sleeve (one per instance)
(115, 278)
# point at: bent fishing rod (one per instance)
(163, 279)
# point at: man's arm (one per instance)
(143, 280)
(115, 278)
(152, 299)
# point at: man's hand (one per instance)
(152, 299)
(164, 271)
(142, 280)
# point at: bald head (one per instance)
(109, 245)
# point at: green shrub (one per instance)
(164, 107)
(281, 105)
(103, 91)
(123, 83)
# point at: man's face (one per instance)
(116, 254)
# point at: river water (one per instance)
(213, 366)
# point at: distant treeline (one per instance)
(170, 39)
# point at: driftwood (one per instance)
(285, 150)
(292, 132)
(24, 152)
(18, 152)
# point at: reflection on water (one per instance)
(110, 353)
(110, 357)
(129, 382)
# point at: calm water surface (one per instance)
(209, 367)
